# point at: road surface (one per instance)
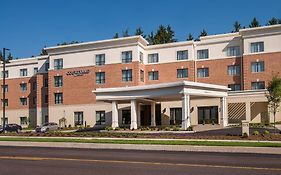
(53, 161)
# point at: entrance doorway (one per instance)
(146, 115)
(208, 115)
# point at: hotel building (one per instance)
(220, 79)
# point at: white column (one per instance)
(248, 111)
(133, 115)
(114, 115)
(224, 116)
(185, 112)
(138, 114)
(153, 123)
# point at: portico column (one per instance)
(138, 114)
(248, 111)
(133, 114)
(153, 123)
(185, 111)
(224, 118)
(114, 115)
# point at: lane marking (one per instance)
(136, 162)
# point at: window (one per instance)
(153, 75)
(6, 74)
(58, 81)
(4, 88)
(23, 101)
(257, 47)
(233, 51)
(141, 75)
(100, 117)
(127, 75)
(6, 102)
(258, 85)
(23, 87)
(203, 54)
(126, 117)
(100, 77)
(182, 73)
(34, 86)
(127, 57)
(34, 100)
(141, 57)
(58, 64)
(153, 58)
(175, 116)
(233, 70)
(23, 121)
(23, 72)
(47, 65)
(234, 87)
(257, 66)
(100, 59)
(58, 98)
(35, 70)
(78, 118)
(203, 72)
(6, 120)
(46, 99)
(182, 55)
(46, 82)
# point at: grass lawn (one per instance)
(152, 142)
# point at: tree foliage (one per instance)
(68, 43)
(116, 35)
(189, 37)
(126, 33)
(274, 21)
(139, 31)
(236, 26)
(43, 51)
(10, 56)
(254, 23)
(163, 35)
(203, 33)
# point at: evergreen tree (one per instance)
(254, 23)
(10, 57)
(203, 33)
(126, 33)
(116, 35)
(162, 35)
(273, 21)
(43, 52)
(150, 38)
(237, 26)
(139, 31)
(189, 37)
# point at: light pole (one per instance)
(3, 86)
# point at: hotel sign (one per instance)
(77, 73)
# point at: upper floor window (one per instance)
(23, 87)
(233, 70)
(23, 101)
(100, 59)
(5, 88)
(258, 85)
(141, 75)
(58, 64)
(58, 98)
(182, 55)
(6, 74)
(100, 77)
(153, 58)
(127, 75)
(182, 73)
(233, 51)
(234, 87)
(58, 81)
(257, 66)
(153, 75)
(127, 57)
(23, 72)
(141, 57)
(35, 70)
(257, 47)
(203, 54)
(47, 65)
(100, 117)
(203, 72)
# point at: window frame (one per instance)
(23, 101)
(102, 118)
(180, 55)
(23, 72)
(181, 73)
(23, 87)
(99, 79)
(58, 98)
(257, 87)
(259, 66)
(200, 54)
(80, 120)
(233, 87)
(58, 81)
(127, 75)
(153, 75)
(124, 55)
(256, 48)
(233, 70)
(208, 72)
(100, 59)
(233, 51)
(153, 58)
(58, 63)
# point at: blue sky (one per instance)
(27, 26)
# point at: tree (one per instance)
(273, 21)
(116, 35)
(126, 33)
(10, 57)
(273, 95)
(163, 35)
(150, 38)
(254, 23)
(237, 26)
(189, 37)
(43, 51)
(68, 43)
(139, 31)
(203, 33)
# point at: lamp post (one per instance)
(4, 84)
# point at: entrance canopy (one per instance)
(175, 91)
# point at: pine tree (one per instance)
(273, 21)
(150, 38)
(139, 31)
(203, 33)
(10, 57)
(43, 51)
(189, 37)
(116, 35)
(126, 33)
(254, 23)
(237, 26)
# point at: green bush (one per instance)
(190, 128)
(117, 129)
(245, 135)
(167, 129)
(266, 132)
(256, 133)
(108, 128)
(175, 128)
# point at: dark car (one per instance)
(11, 128)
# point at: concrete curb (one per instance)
(182, 148)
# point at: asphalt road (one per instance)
(58, 161)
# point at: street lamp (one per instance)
(3, 86)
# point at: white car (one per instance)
(47, 127)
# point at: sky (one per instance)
(26, 26)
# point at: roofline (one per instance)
(260, 28)
(174, 44)
(219, 36)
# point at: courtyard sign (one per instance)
(77, 72)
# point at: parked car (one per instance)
(47, 127)
(11, 128)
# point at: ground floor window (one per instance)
(100, 117)
(78, 118)
(208, 115)
(175, 116)
(6, 121)
(126, 117)
(23, 121)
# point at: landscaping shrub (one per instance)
(167, 129)
(256, 133)
(117, 129)
(266, 132)
(244, 135)
(108, 128)
(190, 128)
(175, 128)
